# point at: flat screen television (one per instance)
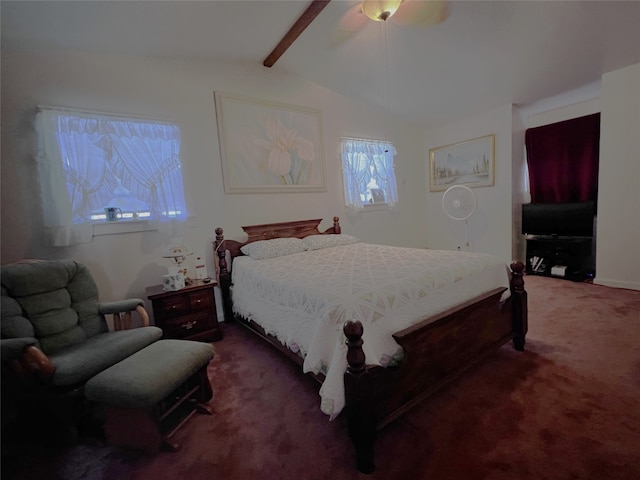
(573, 219)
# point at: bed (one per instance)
(380, 327)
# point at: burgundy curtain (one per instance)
(563, 160)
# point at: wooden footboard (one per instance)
(436, 350)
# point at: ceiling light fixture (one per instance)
(380, 10)
(383, 29)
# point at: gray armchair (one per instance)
(54, 331)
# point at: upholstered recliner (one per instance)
(54, 333)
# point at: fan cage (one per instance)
(459, 202)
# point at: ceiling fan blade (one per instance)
(350, 23)
(422, 12)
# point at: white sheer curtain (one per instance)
(147, 160)
(57, 201)
(84, 157)
(383, 162)
(358, 156)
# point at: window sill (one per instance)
(122, 226)
(374, 207)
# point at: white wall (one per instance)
(490, 227)
(520, 194)
(572, 104)
(618, 228)
(560, 114)
(182, 91)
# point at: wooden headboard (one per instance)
(267, 231)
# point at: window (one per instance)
(89, 162)
(368, 174)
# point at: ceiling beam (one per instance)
(312, 11)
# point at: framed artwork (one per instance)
(470, 163)
(269, 147)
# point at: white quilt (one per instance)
(305, 298)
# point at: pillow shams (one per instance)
(315, 242)
(273, 248)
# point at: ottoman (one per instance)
(150, 394)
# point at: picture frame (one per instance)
(470, 163)
(269, 147)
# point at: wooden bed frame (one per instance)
(436, 350)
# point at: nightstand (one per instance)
(188, 313)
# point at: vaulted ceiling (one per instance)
(484, 55)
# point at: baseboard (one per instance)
(616, 283)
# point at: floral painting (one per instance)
(269, 147)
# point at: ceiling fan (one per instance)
(404, 12)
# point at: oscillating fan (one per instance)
(459, 203)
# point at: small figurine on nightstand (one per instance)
(178, 255)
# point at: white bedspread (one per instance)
(304, 299)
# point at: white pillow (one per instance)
(315, 242)
(273, 248)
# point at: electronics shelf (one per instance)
(564, 257)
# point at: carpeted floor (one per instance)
(567, 408)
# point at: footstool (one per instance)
(150, 394)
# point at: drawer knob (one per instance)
(189, 325)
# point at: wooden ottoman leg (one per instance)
(146, 406)
(204, 393)
(146, 429)
(133, 428)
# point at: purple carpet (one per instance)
(566, 408)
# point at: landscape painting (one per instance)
(469, 163)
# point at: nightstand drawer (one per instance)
(202, 300)
(187, 325)
(175, 306)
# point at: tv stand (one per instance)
(546, 255)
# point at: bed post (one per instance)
(336, 225)
(224, 276)
(361, 422)
(518, 305)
